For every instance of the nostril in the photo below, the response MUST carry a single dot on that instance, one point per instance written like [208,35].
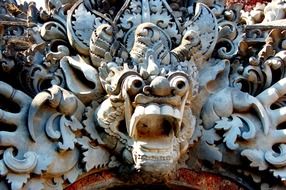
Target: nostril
[147,90]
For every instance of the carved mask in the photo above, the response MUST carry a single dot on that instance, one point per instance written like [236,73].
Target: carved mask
[151,94]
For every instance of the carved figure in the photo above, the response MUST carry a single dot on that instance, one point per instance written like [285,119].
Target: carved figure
[147,88]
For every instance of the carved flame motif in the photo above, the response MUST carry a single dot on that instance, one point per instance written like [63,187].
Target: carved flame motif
[143,87]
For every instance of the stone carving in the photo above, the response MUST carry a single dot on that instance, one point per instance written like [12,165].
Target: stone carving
[141,88]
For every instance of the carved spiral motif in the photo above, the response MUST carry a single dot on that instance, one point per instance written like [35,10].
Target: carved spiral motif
[141,87]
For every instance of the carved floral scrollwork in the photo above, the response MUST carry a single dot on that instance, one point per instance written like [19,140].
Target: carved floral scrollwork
[142,87]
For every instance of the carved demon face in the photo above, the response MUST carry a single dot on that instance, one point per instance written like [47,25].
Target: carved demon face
[148,109]
[155,124]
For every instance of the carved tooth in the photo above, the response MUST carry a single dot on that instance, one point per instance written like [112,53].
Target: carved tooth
[167,110]
[139,110]
[132,126]
[177,114]
[135,157]
[152,109]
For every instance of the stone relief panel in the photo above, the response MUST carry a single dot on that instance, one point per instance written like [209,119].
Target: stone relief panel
[136,90]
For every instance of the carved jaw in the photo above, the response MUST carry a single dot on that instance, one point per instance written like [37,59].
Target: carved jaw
[155,126]
[154,120]
[159,119]
[154,129]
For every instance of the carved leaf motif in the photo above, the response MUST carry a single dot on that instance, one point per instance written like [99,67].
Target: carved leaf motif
[205,24]
[197,134]
[129,20]
[83,24]
[256,157]
[280,173]
[156,6]
[95,156]
[55,116]
[89,124]
[232,128]
[57,183]
[251,129]
[209,152]
[43,164]
[173,32]
[210,136]
[256,178]
[277,159]
[67,135]
[34,184]
[230,39]
[75,124]
[161,19]
[266,186]
[3,168]
[135,6]
[17,180]
[53,30]
[72,175]
[25,165]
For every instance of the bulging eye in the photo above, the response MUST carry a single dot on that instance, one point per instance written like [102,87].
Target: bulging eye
[135,85]
[180,84]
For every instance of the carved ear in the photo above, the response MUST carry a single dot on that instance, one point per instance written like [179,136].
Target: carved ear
[81,78]
[199,36]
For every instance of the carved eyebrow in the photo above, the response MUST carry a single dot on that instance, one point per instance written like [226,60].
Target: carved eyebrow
[177,73]
[123,76]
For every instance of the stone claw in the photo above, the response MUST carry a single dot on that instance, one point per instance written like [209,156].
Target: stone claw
[19,98]
[11,118]
[269,97]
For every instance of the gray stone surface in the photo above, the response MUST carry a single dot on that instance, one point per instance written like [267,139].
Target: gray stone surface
[143,87]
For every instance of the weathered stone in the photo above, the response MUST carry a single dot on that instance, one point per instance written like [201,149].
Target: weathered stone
[142,94]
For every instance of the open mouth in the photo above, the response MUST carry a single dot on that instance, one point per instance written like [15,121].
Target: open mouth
[154,128]
[154,120]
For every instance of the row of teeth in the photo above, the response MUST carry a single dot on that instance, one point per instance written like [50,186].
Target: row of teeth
[157,109]
[153,109]
[157,150]
[145,157]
